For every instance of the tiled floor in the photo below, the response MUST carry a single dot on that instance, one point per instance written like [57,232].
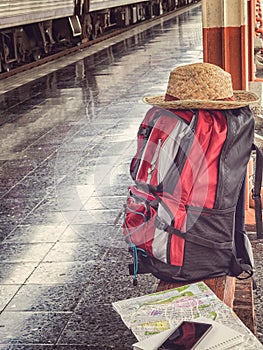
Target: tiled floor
[66,141]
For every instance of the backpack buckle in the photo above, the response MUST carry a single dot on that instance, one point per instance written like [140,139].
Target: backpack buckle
[255,196]
[160,224]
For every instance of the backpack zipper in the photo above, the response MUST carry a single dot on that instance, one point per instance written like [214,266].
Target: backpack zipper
[154,160]
[146,132]
[221,163]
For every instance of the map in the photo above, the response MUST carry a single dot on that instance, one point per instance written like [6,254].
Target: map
[153,313]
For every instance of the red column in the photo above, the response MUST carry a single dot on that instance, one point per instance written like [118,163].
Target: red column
[225,37]
[251,38]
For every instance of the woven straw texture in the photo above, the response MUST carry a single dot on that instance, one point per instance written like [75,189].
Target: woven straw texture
[201,86]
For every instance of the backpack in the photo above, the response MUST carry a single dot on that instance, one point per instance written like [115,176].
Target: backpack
[184,215]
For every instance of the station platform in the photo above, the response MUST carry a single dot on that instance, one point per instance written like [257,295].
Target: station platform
[68,133]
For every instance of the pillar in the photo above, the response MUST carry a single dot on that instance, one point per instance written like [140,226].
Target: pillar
[251,38]
[225,38]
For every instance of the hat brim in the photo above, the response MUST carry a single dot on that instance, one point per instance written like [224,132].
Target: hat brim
[241,99]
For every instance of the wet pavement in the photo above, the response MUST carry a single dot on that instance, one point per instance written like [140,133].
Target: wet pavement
[67,139]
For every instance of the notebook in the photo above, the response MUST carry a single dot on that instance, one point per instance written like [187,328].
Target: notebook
[220,337]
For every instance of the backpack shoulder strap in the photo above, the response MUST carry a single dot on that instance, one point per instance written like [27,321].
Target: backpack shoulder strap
[256,193]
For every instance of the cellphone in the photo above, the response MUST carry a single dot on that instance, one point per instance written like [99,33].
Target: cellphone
[186,336]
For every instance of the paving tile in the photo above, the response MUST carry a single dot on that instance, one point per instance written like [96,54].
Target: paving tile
[99,234]
[6,294]
[62,204]
[52,298]
[74,191]
[25,347]
[18,207]
[104,202]
[23,252]
[28,190]
[36,233]
[6,228]
[10,219]
[95,216]
[90,330]
[15,273]
[88,347]
[40,217]
[31,327]
[74,251]
[17,169]
[62,272]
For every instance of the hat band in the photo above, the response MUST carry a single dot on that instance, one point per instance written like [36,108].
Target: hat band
[168,97]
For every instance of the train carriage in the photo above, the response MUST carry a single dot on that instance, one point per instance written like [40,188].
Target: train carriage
[17,12]
[30,29]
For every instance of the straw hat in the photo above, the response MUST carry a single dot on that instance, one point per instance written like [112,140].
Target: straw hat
[201,86]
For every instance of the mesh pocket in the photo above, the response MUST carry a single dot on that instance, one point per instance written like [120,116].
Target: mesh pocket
[209,243]
[138,224]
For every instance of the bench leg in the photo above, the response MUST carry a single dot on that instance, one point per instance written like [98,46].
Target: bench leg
[244,303]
